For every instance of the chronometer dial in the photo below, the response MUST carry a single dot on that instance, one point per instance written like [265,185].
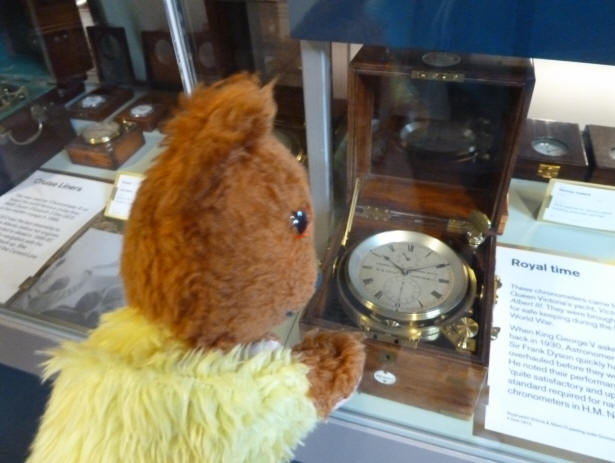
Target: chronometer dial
[550,146]
[92,101]
[406,275]
[142,110]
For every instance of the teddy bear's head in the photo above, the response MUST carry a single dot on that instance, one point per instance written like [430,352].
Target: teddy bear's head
[218,245]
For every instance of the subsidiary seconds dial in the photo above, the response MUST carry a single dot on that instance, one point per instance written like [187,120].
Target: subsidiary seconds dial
[406,275]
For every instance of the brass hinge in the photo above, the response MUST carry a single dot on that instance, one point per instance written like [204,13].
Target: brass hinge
[374,213]
[438,75]
[548,171]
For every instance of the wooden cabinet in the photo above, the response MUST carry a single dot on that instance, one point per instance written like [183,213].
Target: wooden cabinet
[59,30]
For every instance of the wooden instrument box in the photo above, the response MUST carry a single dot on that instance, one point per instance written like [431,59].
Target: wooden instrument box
[108,149]
[601,151]
[115,72]
[100,103]
[150,111]
[551,149]
[431,145]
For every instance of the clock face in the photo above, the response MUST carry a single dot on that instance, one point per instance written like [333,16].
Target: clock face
[92,101]
[550,146]
[142,110]
[406,275]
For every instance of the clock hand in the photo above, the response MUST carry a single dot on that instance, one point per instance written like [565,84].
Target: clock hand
[401,288]
[408,270]
[388,259]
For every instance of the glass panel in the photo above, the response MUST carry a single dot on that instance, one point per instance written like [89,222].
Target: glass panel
[227,36]
[86,88]
[437,132]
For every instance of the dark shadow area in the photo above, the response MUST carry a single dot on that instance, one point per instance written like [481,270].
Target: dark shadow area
[22,401]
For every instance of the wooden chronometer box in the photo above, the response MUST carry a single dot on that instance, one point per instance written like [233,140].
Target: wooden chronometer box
[601,152]
[160,62]
[551,149]
[115,72]
[162,104]
[448,180]
[114,98]
[109,155]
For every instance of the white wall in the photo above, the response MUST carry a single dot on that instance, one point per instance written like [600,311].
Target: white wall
[564,91]
[574,92]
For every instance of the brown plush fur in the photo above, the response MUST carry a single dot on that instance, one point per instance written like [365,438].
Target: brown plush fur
[209,249]
[336,363]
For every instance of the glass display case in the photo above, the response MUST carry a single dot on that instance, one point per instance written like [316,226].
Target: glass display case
[86,90]
[433,136]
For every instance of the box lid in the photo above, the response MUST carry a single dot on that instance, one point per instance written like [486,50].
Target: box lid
[435,133]
[552,141]
[602,146]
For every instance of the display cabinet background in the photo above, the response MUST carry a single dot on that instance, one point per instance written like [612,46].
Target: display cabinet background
[568,30]
[144,15]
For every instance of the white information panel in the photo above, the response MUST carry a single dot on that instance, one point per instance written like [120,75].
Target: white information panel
[580,204]
[552,367]
[37,217]
[124,193]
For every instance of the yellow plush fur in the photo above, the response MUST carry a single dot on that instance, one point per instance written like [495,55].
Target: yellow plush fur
[132,389]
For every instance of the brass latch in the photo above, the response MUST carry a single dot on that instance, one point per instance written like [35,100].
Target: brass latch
[462,334]
[475,228]
[548,171]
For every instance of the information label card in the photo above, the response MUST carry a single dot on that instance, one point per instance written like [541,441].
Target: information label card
[38,217]
[552,367]
[124,193]
[578,203]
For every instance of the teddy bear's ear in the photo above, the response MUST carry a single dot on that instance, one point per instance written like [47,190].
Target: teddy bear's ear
[232,113]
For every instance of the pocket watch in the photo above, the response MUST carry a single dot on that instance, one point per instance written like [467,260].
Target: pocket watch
[406,284]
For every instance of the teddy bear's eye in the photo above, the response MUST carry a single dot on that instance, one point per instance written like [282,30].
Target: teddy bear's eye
[300,221]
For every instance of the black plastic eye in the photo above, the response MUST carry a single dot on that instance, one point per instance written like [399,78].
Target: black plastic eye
[300,221]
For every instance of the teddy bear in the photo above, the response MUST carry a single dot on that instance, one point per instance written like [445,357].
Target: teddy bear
[217,251]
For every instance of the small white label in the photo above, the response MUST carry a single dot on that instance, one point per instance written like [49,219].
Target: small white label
[578,203]
[385,377]
[123,195]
